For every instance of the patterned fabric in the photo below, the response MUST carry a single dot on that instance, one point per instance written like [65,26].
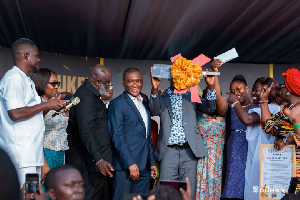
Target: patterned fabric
[237,148]
[209,169]
[55,137]
[281,127]
[177,135]
[211,95]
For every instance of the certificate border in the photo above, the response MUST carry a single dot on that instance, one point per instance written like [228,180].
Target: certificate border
[260,167]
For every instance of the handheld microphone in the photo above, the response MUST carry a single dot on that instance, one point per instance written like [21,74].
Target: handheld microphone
[71,103]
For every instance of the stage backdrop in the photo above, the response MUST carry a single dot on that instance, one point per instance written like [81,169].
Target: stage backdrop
[73,70]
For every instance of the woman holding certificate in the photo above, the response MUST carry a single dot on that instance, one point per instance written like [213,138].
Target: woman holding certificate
[254,134]
[280,125]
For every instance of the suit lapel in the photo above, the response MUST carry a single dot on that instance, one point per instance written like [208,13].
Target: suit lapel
[167,99]
[186,98]
[134,108]
[146,105]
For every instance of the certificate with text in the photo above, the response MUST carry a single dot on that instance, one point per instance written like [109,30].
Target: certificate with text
[276,169]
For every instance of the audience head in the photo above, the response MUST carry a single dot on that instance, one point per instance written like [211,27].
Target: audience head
[291,86]
[63,94]
[46,83]
[163,192]
[64,182]
[26,54]
[100,78]
[9,182]
[274,95]
[238,87]
[132,81]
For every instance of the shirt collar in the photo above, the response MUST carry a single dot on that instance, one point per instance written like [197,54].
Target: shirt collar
[87,84]
[140,99]
[23,74]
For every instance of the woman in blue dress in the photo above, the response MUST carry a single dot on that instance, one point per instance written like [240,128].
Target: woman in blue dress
[236,145]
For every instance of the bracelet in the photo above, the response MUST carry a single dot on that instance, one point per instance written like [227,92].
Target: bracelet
[284,139]
[296,126]
[233,105]
[98,162]
[267,101]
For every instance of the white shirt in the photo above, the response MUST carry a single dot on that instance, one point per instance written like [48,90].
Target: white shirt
[22,139]
[139,105]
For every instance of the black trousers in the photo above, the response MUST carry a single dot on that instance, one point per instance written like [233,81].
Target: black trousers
[97,186]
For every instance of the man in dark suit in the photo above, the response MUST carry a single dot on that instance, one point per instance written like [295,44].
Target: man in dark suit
[180,143]
[88,135]
[130,130]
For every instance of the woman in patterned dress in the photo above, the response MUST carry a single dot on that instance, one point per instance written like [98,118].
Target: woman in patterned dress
[280,125]
[209,168]
[55,136]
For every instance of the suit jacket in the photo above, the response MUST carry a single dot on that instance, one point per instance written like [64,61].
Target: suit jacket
[128,134]
[161,105]
[88,134]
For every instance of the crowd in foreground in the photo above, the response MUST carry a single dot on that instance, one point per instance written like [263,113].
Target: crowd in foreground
[108,144]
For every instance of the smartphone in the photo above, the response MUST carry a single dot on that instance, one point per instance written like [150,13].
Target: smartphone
[32,184]
[294,185]
[68,97]
[175,184]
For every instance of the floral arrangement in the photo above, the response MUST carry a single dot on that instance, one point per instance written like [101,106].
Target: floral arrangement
[185,73]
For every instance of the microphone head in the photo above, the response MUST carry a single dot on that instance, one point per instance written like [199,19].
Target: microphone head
[75,101]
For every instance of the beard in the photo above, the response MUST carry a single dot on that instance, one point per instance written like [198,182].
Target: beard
[102,90]
[35,69]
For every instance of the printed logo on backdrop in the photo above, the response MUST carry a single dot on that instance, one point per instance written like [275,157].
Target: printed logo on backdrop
[70,83]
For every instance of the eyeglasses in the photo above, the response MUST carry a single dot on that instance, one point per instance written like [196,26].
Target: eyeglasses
[282,86]
[111,87]
[55,83]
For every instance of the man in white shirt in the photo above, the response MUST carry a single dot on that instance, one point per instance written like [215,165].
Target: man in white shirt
[21,116]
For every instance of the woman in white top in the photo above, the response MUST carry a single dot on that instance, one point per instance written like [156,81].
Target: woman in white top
[55,136]
[254,134]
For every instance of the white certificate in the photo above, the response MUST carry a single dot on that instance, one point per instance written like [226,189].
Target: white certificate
[227,56]
[276,169]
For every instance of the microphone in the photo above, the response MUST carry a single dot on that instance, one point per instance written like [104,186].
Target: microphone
[71,103]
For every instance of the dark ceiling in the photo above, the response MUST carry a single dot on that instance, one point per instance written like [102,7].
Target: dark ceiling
[262,31]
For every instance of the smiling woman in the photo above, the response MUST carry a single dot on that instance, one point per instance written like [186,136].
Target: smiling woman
[55,136]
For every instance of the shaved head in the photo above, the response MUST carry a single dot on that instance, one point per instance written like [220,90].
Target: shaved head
[98,71]
[100,78]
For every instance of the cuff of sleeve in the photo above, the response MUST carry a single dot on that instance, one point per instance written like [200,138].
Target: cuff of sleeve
[211,95]
[153,96]
[97,156]
[128,163]
[14,105]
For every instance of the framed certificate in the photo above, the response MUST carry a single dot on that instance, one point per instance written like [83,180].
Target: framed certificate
[276,169]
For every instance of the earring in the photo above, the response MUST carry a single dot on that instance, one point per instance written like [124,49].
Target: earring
[288,93]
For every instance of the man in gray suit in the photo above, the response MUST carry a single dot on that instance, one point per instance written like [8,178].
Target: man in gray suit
[180,143]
